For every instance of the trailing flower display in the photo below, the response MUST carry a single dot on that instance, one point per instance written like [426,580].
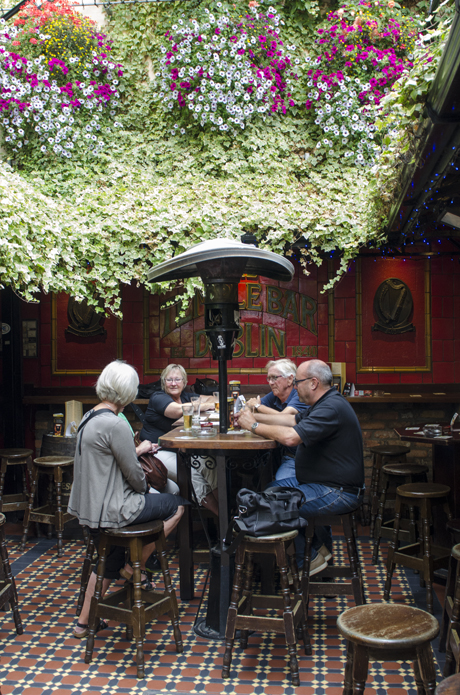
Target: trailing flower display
[58,86]
[224,70]
[363,50]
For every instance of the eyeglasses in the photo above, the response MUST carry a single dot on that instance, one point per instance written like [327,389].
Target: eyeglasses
[174,381]
[274,378]
[299,381]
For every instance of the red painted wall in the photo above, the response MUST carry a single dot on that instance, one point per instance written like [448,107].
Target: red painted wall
[445,331]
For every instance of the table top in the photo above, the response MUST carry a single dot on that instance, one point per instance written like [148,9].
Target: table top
[246,441]
[415,434]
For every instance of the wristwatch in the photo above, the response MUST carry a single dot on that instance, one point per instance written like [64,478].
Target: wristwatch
[254,426]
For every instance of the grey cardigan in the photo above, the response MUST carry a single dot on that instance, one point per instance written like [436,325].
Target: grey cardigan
[109,483]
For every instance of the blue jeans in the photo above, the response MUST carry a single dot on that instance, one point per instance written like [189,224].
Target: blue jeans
[286,469]
[319,499]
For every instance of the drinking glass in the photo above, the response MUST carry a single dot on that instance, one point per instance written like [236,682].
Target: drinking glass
[187,412]
[196,425]
[216,400]
[195,401]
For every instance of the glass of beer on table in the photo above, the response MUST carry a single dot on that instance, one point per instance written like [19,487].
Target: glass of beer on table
[216,400]
[187,411]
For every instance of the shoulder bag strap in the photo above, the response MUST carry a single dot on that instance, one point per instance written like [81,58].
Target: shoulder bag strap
[82,425]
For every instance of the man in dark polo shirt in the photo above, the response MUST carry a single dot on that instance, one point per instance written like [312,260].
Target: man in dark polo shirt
[329,460]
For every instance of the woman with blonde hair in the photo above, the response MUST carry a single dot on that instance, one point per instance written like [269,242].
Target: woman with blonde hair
[164,408]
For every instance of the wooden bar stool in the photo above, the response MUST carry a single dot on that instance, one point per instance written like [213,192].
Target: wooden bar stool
[52,512]
[139,606]
[450,626]
[384,453]
[453,526]
[8,593]
[243,601]
[423,555]
[388,632]
[391,476]
[15,457]
[351,571]
[449,686]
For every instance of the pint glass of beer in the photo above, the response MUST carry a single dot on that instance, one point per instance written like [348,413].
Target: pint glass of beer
[187,411]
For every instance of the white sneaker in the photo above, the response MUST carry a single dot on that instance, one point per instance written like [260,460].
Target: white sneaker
[325,553]
[318,564]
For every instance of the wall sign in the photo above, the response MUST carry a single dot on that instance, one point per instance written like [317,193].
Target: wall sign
[276,320]
[30,338]
[393,315]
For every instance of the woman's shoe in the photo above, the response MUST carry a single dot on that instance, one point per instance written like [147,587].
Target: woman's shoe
[102,625]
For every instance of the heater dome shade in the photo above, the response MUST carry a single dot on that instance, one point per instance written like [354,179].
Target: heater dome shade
[223,260]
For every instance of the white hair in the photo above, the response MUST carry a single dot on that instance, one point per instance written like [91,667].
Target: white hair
[117,383]
[285,367]
[167,371]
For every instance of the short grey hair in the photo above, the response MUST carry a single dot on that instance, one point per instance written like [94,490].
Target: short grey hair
[117,383]
[285,366]
[167,371]
[321,371]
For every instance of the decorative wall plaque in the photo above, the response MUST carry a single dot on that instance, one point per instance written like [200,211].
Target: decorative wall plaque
[79,344]
[83,319]
[393,315]
[393,305]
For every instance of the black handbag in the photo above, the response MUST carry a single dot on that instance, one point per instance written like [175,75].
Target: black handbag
[146,390]
[276,510]
[205,387]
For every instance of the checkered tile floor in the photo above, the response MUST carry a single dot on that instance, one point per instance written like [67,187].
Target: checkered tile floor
[47,660]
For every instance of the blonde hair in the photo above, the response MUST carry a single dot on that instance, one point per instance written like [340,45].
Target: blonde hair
[117,383]
[167,371]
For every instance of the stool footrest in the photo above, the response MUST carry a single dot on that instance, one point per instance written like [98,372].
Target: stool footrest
[46,515]
[341,571]
[329,588]
[262,623]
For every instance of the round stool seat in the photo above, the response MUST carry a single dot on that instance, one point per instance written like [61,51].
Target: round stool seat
[51,461]
[449,686]
[386,625]
[456,551]
[135,530]
[287,536]
[430,490]
[389,450]
[15,453]
[404,469]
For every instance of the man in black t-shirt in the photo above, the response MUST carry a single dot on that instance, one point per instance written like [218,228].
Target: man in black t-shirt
[329,460]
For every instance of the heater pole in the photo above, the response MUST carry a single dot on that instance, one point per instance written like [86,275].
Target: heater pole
[223,414]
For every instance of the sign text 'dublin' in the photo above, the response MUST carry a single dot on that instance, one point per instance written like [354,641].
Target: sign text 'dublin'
[254,339]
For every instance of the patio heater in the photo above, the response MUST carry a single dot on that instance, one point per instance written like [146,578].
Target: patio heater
[220,264]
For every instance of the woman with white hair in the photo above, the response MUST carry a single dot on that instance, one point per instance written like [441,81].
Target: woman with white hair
[164,408]
[109,488]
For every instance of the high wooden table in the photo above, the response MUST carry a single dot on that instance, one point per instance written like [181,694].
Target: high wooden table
[446,467]
[232,452]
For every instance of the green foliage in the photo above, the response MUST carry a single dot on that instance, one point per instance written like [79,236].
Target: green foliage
[96,223]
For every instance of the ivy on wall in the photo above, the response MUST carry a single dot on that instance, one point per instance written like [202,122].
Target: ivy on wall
[94,223]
